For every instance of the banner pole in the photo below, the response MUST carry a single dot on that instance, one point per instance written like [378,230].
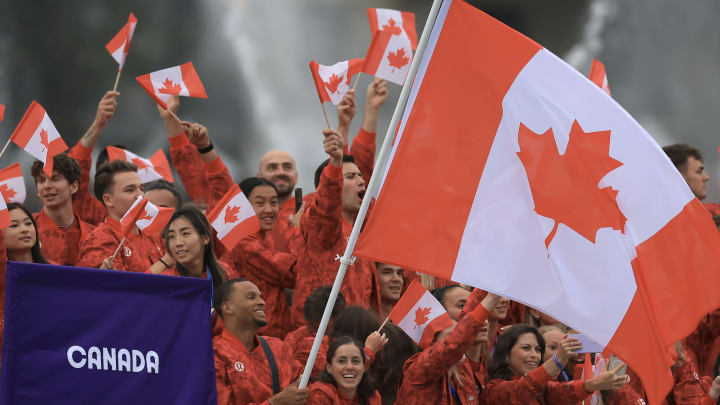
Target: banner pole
[374,184]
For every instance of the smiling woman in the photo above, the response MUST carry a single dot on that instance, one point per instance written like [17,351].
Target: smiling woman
[21,240]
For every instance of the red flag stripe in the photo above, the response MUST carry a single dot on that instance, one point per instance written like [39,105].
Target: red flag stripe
[160,221]
[436,325]
[2,112]
[376,51]
[239,231]
[121,37]
[220,206]
[11,172]
[161,165]
[146,84]
[28,124]
[192,80]
[407,302]
[4,215]
[319,84]
[409,28]
[372,18]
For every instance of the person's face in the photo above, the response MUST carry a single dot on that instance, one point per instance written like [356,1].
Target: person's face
[391,281]
[162,198]
[482,336]
[347,368]
[54,191]
[695,177]
[245,305]
[125,190]
[500,311]
[264,200]
[525,355]
[21,234]
[553,339]
[186,245]
[279,167]
[353,187]
[455,300]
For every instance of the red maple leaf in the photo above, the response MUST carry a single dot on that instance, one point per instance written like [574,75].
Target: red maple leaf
[7,192]
[139,163]
[44,140]
[565,187]
[421,316]
[398,59]
[392,28]
[333,82]
[146,216]
[170,88]
[231,214]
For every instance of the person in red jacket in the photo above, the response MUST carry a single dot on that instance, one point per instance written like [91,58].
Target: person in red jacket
[389,282]
[60,230]
[453,298]
[257,260]
[118,184]
[85,205]
[244,361]
[344,381]
[517,375]
[324,230]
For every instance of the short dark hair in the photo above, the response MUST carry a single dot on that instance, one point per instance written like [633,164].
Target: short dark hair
[162,184]
[35,252]
[356,322]
[63,164]
[315,305]
[499,367]
[319,170]
[103,155]
[249,184]
[366,388]
[679,154]
[105,176]
[223,292]
[440,293]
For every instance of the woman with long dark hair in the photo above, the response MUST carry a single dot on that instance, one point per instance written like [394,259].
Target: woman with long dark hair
[518,376]
[387,369]
[189,242]
[21,241]
[344,380]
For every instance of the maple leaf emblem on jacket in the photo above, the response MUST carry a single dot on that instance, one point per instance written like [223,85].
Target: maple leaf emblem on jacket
[44,140]
[398,59]
[7,192]
[333,82]
[392,28]
[170,88]
[421,316]
[565,187]
[231,214]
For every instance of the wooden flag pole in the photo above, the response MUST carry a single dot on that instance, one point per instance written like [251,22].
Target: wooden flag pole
[383,324]
[372,189]
[117,80]
[356,81]
[112,258]
[176,117]
[6,146]
[327,121]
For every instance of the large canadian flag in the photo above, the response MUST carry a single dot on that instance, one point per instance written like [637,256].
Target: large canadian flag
[598,76]
[119,45]
[332,82]
[400,23]
[148,217]
[12,185]
[420,314]
[180,80]
[388,57]
[157,167]
[514,173]
[233,218]
[37,135]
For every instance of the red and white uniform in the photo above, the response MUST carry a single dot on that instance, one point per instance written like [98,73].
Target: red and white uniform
[243,377]
[85,205]
[137,253]
[187,160]
[58,245]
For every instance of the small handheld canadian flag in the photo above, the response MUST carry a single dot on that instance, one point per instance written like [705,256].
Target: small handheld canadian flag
[332,82]
[157,167]
[119,45]
[180,80]
[12,185]
[400,23]
[598,76]
[2,112]
[147,216]
[388,57]
[37,135]
[233,218]
[420,314]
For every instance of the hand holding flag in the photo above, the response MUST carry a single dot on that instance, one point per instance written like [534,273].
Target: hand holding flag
[332,82]
[180,80]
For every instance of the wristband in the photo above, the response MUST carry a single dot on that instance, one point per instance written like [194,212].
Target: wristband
[163,262]
[206,149]
[560,366]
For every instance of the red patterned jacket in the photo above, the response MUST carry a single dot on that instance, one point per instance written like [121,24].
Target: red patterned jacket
[322,393]
[535,388]
[187,162]
[138,252]
[61,246]
[85,205]
[243,377]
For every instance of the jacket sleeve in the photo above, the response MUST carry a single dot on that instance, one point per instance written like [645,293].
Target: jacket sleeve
[323,220]
[253,257]
[565,392]
[530,386]
[303,352]
[85,205]
[363,150]
[219,181]
[317,396]
[688,389]
[437,359]
[222,384]
[98,247]
[190,167]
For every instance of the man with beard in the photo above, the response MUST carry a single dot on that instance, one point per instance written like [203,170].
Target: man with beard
[247,364]
[279,167]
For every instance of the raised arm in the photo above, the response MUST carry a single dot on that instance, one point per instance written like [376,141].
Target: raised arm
[363,144]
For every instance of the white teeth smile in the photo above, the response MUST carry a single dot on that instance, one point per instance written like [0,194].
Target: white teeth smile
[348,375]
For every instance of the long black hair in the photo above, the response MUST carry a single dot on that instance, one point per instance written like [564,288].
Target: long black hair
[35,252]
[356,322]
[499,366]
[366,388]
[202,227]
[388,367]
